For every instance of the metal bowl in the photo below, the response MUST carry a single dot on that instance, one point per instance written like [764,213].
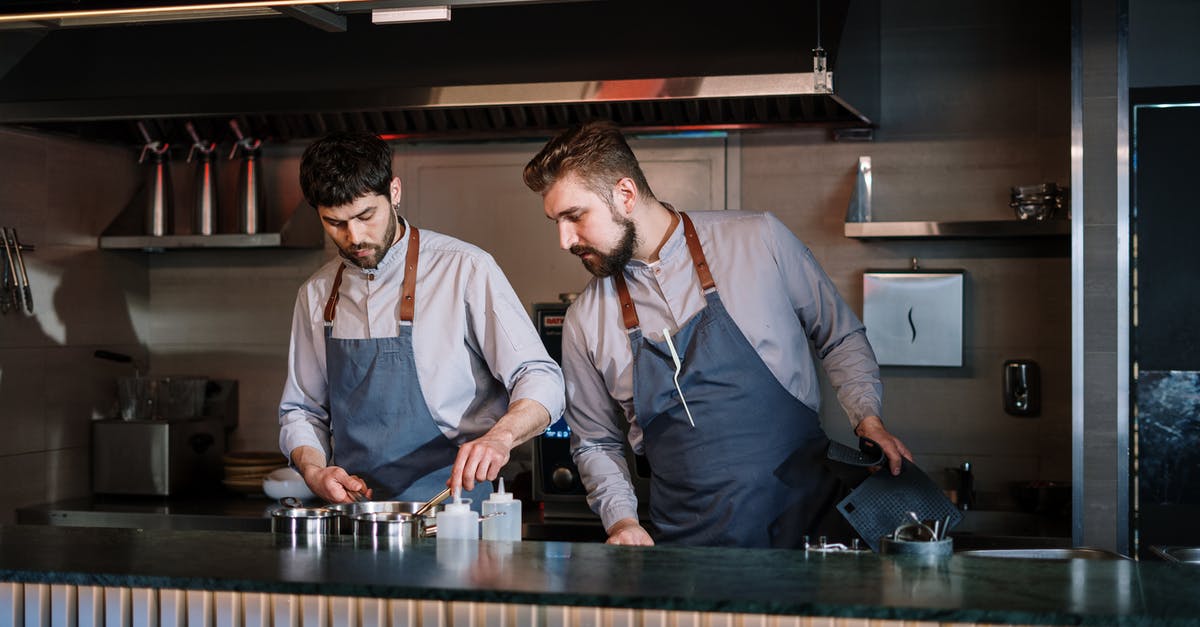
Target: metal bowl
[387,529]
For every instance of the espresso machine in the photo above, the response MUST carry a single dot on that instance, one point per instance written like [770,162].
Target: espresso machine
[556,481]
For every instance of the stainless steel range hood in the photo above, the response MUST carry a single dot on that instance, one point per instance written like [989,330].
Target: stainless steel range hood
[270,102]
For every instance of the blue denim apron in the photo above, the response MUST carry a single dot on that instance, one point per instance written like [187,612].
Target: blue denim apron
[382,429]
[750,472]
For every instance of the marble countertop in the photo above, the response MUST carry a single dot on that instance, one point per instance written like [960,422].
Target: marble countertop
[956,589]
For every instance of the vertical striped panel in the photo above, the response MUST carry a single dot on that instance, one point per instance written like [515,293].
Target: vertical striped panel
[623,617]
[686,619]
[314,611]
[256,609]
[529,616]
[12,604]
[462,613]
[343,612]
[655,618]
[285,611]
[404,613]
[432,614]
[91,606]
[373,612]
[558,616]
[143,607]
[37,605]
[64,607]
[172,608]
[587,617]
[751,620]
[118,607]
[199,604]
[227,609]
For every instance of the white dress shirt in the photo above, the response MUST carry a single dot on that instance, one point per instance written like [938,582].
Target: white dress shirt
[776,293]
[475,347]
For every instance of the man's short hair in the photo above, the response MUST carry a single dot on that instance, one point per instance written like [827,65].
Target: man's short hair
[341,167]
[596,152]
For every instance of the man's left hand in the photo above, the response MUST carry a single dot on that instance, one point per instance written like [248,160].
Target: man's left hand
[479,460]
[871,427]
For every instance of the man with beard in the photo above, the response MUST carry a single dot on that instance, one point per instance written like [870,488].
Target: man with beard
[412,366]
[698,326]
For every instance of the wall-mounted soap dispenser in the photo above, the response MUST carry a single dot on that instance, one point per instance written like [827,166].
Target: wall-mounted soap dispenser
[1022,387]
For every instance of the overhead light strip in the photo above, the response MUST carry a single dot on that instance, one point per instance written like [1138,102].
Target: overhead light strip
[142,12]
[411,14]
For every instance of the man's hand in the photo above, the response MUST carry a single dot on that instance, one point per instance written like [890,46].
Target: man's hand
[327,482]
[333,484]
[480,460]
[627,531]
[871,427]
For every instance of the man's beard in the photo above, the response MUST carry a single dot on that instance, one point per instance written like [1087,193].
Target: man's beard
[606,265]
[371,262]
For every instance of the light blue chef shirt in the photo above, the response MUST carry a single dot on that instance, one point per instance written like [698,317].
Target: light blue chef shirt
[775,292]
[475,347]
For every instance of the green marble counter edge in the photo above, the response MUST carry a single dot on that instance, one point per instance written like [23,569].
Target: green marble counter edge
[958,589]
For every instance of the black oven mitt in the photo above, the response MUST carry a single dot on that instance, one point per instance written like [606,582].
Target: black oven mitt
[882,502]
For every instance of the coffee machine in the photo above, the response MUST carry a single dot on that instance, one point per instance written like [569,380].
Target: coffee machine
[556,481]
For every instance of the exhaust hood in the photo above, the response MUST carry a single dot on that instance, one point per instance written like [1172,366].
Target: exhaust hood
[491,72]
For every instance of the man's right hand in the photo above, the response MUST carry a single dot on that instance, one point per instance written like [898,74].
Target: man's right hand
[333,484]
[627,531]
[330,483]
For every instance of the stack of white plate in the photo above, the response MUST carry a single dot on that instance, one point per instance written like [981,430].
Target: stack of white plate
[245,470]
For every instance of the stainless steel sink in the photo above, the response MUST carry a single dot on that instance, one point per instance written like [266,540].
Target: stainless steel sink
[1045,554]
[1184,554]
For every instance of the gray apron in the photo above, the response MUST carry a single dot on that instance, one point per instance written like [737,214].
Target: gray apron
[382,429]
[750,473]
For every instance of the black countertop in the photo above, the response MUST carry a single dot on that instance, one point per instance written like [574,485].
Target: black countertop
[864,585]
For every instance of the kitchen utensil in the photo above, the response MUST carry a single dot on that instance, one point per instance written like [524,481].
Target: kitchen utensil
[883,501]
[1037,202]
[11,282]
[160,212]
[390,529]
[204,191]
[678,365]
[23,277]
[433,502]
[457,521]
[251,208]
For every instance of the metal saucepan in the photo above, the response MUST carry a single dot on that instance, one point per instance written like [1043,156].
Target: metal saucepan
[305,524]
[390,529]
[350,512]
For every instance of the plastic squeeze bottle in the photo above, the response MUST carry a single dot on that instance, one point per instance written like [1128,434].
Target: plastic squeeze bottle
[507,525]
[456,521]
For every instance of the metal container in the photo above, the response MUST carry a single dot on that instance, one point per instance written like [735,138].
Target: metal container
[305,524]
[388,529]
[350,511]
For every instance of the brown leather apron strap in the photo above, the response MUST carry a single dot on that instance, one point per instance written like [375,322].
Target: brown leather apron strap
[408,288]
[628,311]
[693,244]
[331,304]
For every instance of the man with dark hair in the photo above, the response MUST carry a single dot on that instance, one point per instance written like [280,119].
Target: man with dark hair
[413,366]
[698,326]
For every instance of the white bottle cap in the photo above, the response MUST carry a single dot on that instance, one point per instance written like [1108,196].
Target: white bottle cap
[459,505]
[500,495]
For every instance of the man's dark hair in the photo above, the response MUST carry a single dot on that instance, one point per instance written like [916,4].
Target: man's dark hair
[596,152]
[341,167]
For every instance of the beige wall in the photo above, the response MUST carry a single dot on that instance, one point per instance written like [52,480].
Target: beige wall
[59,194]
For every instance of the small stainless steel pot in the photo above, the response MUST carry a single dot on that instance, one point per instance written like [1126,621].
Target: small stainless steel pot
[310,524]
[350,511]
[389,529]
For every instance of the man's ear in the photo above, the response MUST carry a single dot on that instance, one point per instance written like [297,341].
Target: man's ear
[625,194]
[394,186]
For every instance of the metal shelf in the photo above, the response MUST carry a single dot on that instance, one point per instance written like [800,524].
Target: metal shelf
[301,230]
[960,229]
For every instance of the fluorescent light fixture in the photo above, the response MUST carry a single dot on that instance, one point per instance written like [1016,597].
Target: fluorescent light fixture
[410,14]
[188,11]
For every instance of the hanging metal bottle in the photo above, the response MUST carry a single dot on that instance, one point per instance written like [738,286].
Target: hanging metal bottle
[251,208]
[204,190]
